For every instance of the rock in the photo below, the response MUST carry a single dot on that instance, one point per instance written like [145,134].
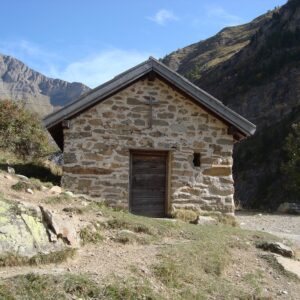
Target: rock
[44,188]
[70,194]
[289,208]
[8,177]
[277,247]
[289,265]
[22,177]
[205,220]
[56,189]
[61,227]
[11,170]
[29,191]
[23,231]
[218,170]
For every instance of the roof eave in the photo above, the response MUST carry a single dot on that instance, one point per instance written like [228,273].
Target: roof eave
[126,78]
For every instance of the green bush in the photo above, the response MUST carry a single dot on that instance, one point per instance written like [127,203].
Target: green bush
[21,132]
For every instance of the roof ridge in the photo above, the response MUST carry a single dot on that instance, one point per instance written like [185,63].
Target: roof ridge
[127,77]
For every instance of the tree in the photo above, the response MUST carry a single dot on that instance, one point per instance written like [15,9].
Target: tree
[291,168]
[21,131]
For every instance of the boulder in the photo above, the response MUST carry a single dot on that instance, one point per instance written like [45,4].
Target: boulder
[23,231]
[289,265]
[278,248]
[289,208]
[61,226]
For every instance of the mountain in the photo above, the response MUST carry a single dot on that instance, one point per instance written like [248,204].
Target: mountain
[260,79]
[40,93]
[197,58]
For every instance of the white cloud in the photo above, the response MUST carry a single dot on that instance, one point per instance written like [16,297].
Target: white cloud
[100,67]
[220,15]
[163,16]
[91,70]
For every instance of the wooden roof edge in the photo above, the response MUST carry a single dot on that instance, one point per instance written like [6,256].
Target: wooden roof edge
[124,79]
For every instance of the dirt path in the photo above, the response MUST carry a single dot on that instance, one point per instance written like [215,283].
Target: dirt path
[284,226]
[99,261]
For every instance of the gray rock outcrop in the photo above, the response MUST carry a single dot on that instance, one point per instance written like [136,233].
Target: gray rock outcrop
[25,232]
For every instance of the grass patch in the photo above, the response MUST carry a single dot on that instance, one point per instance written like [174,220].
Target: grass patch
[130,237]
[254,280]
[32,183]
[60,199]
[130,289]
[67,286]
[90,235]
[74,210]
[11,259]
[32,286]
[185,215]
[195,269]
[81,286]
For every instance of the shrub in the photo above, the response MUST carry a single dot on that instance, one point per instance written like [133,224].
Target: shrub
[21,131]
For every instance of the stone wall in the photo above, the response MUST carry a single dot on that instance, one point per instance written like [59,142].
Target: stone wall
[97,144]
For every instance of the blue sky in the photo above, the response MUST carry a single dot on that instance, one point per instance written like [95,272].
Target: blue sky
[91,41]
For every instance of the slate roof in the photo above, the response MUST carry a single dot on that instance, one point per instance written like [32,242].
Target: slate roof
[102,92]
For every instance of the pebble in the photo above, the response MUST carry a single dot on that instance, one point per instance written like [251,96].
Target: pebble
[29,191]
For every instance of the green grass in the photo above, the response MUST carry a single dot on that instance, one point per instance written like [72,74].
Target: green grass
[67,286]
[32,183]
[90,235]
[12,259]
[60,199]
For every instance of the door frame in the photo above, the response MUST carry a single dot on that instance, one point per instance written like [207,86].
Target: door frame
[167,155]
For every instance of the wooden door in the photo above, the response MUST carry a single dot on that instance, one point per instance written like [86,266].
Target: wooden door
[148,183]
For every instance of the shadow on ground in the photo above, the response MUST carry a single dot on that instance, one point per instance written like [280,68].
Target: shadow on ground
[33,170]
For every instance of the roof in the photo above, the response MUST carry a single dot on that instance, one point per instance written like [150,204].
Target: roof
[54,120]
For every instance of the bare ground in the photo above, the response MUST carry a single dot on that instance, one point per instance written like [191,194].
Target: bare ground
[101,261]
[283,226]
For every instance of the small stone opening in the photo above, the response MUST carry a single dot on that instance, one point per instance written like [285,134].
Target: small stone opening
[197,159]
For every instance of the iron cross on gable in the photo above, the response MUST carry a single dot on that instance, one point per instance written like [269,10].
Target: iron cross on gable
[151,101]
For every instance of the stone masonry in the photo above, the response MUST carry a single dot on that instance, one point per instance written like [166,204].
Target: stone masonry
[97,147]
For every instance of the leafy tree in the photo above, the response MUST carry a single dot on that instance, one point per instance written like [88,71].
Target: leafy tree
[21,131]
[291,168]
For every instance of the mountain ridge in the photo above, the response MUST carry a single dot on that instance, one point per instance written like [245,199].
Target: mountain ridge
[261,81]
[40,93]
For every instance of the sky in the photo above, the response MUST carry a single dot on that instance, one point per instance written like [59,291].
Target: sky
[91,41]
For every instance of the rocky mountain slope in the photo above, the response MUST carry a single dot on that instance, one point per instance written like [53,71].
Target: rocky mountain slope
[261,81]
[197,58]
[40,93]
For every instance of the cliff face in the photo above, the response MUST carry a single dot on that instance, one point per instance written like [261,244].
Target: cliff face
[261,81]
[40,93]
